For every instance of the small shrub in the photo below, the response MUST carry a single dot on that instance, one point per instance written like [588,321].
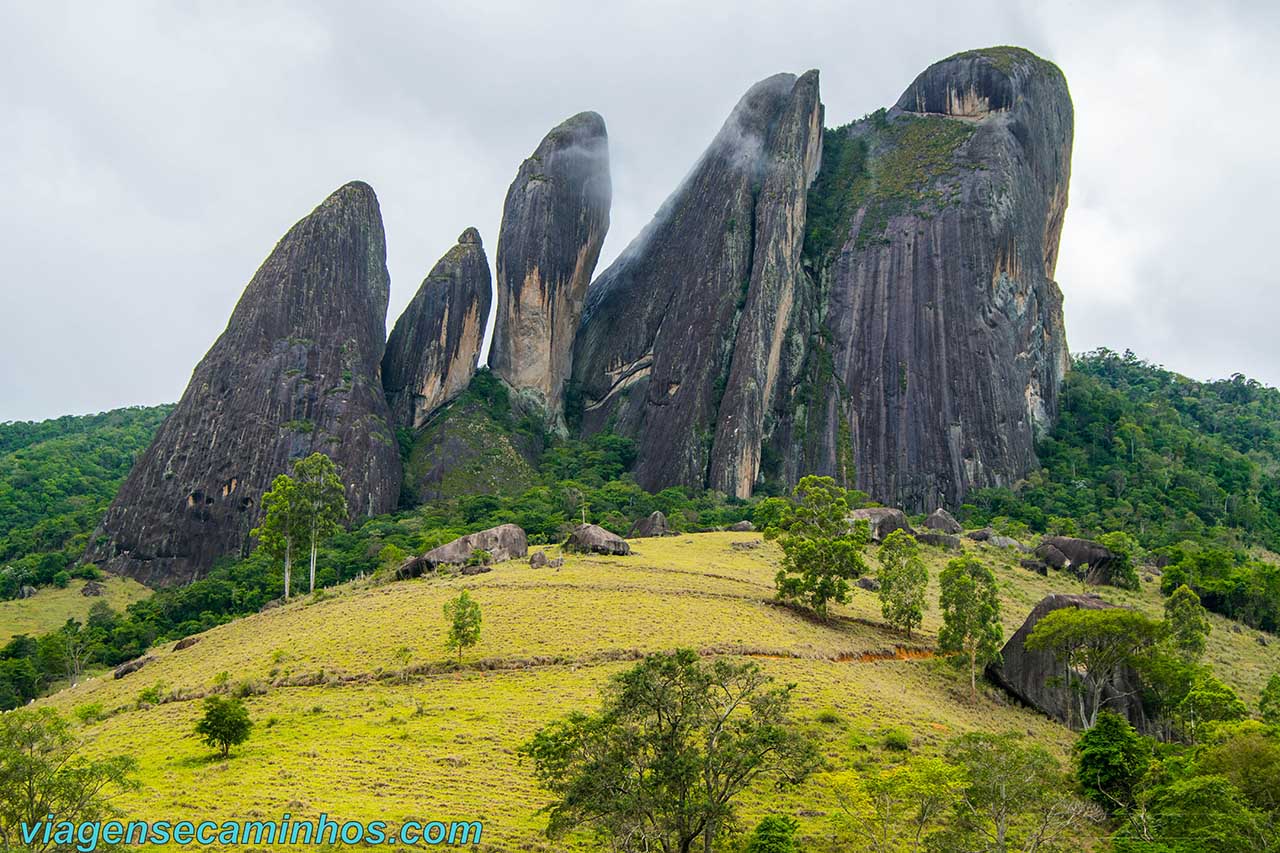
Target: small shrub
[248,687]
[90,712]
[898,740]
[479,557]
[829,716]
[152,695]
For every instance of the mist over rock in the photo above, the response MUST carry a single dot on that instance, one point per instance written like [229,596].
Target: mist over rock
[295,371]
[432,351]
[941,348]
[554,222]
[683,337]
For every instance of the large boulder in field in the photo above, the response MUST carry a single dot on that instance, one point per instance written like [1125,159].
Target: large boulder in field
[1034,678]
[504,542]
[943,522]
[882,520]
[1090,561]
[655,524]
[939,540]
[593,539]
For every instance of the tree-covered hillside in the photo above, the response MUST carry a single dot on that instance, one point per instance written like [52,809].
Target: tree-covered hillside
[56,479]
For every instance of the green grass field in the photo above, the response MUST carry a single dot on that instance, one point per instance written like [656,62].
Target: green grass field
[364,716]
[50,607]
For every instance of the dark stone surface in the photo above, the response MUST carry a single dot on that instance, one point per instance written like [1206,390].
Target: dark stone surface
[589,538]
[655,524]
[130,667]
[538,560]
[296,371]
[995,540]
[869,584]
[981,535]
[943,522]
[92,589]
[185,643]
[432,351]
[504,542]
[943,326]
[742,527]
[939,540]
[1029,676]
[882,520]
[554,222]
[683,339]
[1088,560]
[1037,566]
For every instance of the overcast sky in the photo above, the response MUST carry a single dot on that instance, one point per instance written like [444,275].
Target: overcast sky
[151,154]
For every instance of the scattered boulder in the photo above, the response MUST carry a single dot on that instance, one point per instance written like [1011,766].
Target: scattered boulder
[92,589]
[940,540]
[883,520]
[742,527]
[749,545]
[1262,641]
[593,539]
[504,542]
[556,563]
[1034,677]
[1038,566]
[1090,561]
[654,525]
[981,535]
[998,541]
[132,666]
[185,643]
[538,560]
[26,592]
[867,583]
[476,570]
[943,522]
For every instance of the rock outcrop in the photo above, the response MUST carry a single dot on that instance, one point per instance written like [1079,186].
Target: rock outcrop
[432,351]
[1090,561]
[553,225]
[882,521]
[593,539]
[1036,678]
[943,522]
[941,348]
[684,341]
[654,524]
[295,372]
[939,540]
[502,543]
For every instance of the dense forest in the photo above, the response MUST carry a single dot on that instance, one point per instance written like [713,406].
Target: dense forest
[1189,470]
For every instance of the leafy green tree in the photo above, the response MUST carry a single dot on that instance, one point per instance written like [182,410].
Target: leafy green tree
[1187,622]
[774,834]
[1210,701]
[1269,703]
[463,615]
[43,773]
[970,604]
[1123,572]
[322,503]
[821,553]
[281,525]
[904,581]
[1093,646]
[225,724]
[1246,754]
[673,745]
[1200,814]
[1111,759]
[892,809]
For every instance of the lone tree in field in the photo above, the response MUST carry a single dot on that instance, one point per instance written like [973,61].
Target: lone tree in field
[1092,646]
[225,724]
[1187,623]
[302,511]
[821,551]
[674,743]
[903,581]
[970,615]
[463,615]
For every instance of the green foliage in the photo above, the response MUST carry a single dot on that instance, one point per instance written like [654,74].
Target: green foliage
[1187,623]
[892,809]
[774,834]
[56,479]
[1111,759]
[1269,703]
[970,605]
[463,616]
[821,553]
[42,772]
[225,724]
[832,202]
[1200,813]
[673,745]
[1210,701]
[904,580]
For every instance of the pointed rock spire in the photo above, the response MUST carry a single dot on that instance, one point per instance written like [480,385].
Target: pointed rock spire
[553,225]
[295,371]
[432,352]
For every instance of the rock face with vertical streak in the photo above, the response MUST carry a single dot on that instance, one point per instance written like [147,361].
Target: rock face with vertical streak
[295,371]
[941,347]
[683,337]
[432,351]
[554,222]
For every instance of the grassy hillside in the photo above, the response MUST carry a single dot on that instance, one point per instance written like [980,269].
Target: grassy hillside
[50,607]
[360,713]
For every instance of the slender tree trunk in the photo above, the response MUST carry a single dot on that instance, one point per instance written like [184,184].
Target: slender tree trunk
[288,566]
[313,558]
[973,674]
